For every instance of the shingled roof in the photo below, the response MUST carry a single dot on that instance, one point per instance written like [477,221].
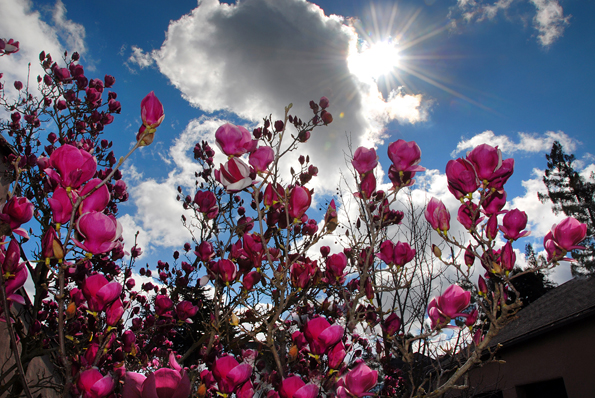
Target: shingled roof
[566,304]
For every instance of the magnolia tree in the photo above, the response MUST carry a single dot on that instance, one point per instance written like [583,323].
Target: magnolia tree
[256,305]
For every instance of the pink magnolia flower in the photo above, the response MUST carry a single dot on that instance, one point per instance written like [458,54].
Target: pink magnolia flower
[335,268]
[358,382]
[92,96]
[162,305]
[391,324]
[185,310]
[62,74]
[99,292]
[569,233]
[151,111]
[8,46]
[507,257]
[405,156]
[564,237]
[472,318]
[491,228]
[453,300]
[486,160]
[330,218]
[251,279]
[449,306]
[97,201]
[94,385]
[163,383]
[128,340]
[246,391]
[494,203]
[234,140]
[400,179]
[513,223]
[75,166]
[230,374]
[462,178]
[300,199]
[554,252]
[226,270]
[502,175]
[294,387]
[205,251]
[16,211]
[367,186]
[336,355]
[109,81]
[302,273]
[234,176]
[15,273]
[299,339]
[273,194]
[398,254]
[100,232]
[261,158]
[114,313]
[469,217]
[321,335]
[437,215]
[207,203]
[364,160]
[51,246]
[482,287]
[61,204]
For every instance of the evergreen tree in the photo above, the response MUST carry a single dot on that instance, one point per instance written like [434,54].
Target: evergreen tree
[572,195]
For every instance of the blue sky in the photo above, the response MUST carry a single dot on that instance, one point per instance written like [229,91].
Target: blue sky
[513,73]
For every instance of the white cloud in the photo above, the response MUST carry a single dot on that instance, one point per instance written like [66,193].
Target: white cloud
[541,216]
[72,33]
[140,58]
[472,10]
[254,58]
[158,215]
[549,21]
[588,172]
[21,23]
[528,142]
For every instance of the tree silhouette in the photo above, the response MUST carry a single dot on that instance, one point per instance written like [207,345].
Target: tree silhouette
[572,195]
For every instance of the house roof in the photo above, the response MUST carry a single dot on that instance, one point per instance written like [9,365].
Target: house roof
[567,303]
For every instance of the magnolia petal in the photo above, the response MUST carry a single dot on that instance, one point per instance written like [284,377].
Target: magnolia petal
[290,385]
[103,387]
[204,280]
[239,374]
[223,366]
[88,378]
[307,391]
[331,335]
[133,383]
[184,387]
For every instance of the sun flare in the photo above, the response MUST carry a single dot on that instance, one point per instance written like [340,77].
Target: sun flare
[374,60]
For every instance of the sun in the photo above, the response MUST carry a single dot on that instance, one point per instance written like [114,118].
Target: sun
[375,60]
[392,48]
